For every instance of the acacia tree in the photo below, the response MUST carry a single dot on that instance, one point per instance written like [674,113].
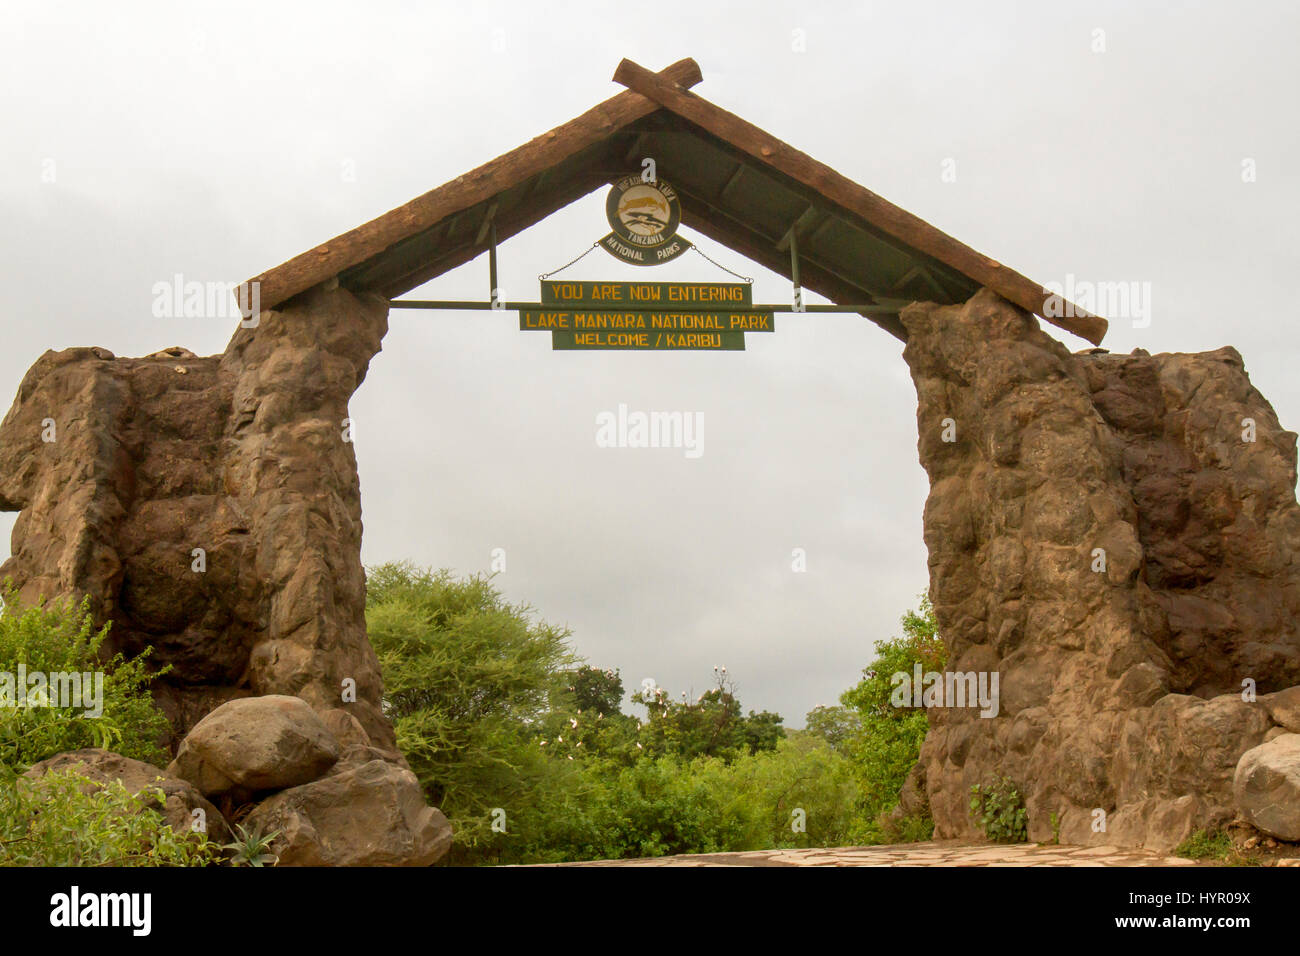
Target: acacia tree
[711,726]
[467,679]
[585,719]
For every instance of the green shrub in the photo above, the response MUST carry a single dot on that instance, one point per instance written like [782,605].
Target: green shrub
[527,751]
[884,741]
[836,725]
[63,819]
[466,678]
[906,829]
[668,805]
[62,637]
[999,810]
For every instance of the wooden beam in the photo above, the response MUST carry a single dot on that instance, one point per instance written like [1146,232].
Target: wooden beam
[800,225]
[821,227]
[734,226]
[528,213]
[898,223]
[730,184]
[372,273]
[486,224]
[539,154]
[762,250]
[919,272]
[834,215]
[540,178]
[634,154]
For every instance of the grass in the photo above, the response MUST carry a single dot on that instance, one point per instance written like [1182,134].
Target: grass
[1213,845]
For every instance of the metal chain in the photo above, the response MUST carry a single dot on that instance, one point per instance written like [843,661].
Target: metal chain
[744,278]
[749,279]
[547,275]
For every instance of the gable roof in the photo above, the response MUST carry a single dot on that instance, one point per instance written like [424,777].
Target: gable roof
[738,185]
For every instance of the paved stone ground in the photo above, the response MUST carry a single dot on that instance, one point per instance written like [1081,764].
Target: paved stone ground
[937,853]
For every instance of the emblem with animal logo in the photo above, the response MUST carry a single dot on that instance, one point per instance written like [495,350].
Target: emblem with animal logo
[644,215]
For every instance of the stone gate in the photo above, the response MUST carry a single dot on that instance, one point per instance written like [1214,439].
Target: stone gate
[1113,536]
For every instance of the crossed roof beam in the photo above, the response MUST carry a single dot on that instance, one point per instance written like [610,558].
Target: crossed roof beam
[842,229]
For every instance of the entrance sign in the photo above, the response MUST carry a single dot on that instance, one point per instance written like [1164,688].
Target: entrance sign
[647,315]
[560,319]
[644,216]
[648,295]
[716,341]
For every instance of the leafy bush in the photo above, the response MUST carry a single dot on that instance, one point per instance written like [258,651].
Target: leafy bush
[467,677]
[62,638]
[886,741]
[63,819]
[835,725]
[999,809]
[530,756]
[668,805]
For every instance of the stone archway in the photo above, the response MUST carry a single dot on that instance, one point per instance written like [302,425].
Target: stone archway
[1120,683]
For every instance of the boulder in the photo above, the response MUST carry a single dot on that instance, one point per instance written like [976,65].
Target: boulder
[354,742]
[1267,787]
[367,814]
[180,798]
[254,745]
[1284,708]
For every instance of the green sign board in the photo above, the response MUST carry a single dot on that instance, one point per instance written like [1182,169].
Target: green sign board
[648,295]
[647,315]
[706,341]
[561,319]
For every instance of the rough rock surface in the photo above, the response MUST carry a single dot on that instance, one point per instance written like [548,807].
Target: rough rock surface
[241,455]
[180,798]
[1284,708]
[1267,786]
[1121,684]
[210,508]
[256,744]
[369,814]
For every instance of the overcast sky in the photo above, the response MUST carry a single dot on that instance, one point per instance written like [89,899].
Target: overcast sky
[217,140]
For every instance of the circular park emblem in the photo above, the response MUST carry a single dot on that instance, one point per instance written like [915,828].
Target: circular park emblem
[644,216]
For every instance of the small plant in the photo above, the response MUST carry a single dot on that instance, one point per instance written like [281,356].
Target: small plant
[1056,827]
[1205,845]
[1215,845]
[66,819]
[252,848]
[910,829]
[1000,812]
[61,638]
